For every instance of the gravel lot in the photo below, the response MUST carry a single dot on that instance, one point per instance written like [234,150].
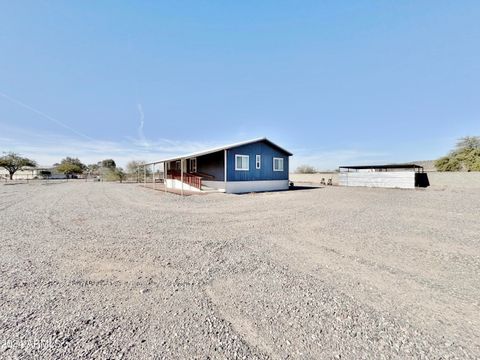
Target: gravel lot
[98,270]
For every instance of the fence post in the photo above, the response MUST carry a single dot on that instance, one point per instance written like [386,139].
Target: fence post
[153,175]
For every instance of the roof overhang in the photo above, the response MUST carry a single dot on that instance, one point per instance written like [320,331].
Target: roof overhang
[382,167]
[220,148]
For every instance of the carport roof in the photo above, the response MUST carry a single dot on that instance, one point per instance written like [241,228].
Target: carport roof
[383,167]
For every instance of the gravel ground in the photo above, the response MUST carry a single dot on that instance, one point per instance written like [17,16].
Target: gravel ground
[97,270]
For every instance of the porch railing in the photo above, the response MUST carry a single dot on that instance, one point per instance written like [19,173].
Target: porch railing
[189,179]
[204,176]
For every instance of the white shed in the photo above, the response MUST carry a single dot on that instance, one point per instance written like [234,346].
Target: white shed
[403,176]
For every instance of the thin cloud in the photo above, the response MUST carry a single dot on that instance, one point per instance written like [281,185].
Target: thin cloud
[48,148]
[141,134]
[44,115]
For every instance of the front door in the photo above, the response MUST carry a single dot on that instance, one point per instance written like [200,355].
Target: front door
[193,165]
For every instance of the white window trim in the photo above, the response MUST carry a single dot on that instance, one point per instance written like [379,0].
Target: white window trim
[258,162]
[281,162]
[248,162]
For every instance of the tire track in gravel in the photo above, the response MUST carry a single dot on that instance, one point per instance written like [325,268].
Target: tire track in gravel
[18,198]
[375,285]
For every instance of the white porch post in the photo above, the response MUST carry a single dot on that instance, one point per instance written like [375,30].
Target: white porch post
[225,168]
[181,174]
[165,176]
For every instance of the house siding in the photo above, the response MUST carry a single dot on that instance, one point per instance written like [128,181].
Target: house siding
[266,172]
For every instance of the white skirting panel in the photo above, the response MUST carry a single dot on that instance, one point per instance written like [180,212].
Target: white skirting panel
[220,185]
[234,187]
[177,184]
[384,179]
[238,187]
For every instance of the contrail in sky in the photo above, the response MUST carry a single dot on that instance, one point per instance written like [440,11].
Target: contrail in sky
[141,135]
[46,116]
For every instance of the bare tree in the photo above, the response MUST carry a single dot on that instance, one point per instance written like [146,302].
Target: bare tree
[137,169]
[468,142]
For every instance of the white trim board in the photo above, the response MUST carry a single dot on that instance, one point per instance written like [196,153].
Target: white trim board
[239,187]
[219,185]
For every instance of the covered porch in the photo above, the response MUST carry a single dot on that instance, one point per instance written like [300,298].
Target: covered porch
[188,174]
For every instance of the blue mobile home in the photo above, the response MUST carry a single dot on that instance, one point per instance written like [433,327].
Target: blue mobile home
[249,166]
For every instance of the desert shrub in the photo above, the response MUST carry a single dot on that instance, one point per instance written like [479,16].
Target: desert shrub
[448,163]
[466,156]
[306,169]
[116,174]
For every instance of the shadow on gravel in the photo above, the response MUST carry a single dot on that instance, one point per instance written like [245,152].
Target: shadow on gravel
[305,187]
[291,188]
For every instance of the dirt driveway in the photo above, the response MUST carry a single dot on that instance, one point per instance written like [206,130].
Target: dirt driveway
[99,270]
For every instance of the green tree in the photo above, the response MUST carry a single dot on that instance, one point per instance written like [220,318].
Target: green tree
[12,162]
[70,166]
[466,156]
[120,174]
[117,174]
[93,169]
[448,163]
[471,159]
[108,163]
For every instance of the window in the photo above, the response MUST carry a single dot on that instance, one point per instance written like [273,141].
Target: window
[241,162]
[258,161]
[277,164]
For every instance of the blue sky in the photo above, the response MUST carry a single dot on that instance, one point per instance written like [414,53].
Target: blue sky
[335,82]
